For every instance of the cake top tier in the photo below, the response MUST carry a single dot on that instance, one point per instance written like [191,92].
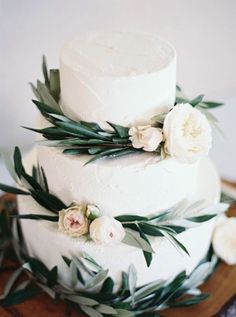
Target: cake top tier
[117,54]
[121,77]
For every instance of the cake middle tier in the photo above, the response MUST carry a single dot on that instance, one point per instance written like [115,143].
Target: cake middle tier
[137,184]
[45,242]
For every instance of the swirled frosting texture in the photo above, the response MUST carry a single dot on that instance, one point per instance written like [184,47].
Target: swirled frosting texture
[121,77]
[136,184]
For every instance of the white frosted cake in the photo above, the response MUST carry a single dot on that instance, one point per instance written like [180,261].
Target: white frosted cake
[124,78]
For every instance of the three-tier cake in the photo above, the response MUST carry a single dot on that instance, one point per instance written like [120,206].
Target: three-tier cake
[125,78]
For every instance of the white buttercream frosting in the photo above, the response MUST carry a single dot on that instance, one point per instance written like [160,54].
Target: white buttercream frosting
[118,54]
[133,184]
[120,77]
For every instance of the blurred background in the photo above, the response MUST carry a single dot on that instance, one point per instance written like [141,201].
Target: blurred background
[203,33]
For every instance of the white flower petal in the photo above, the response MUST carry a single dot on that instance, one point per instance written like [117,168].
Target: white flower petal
[72,221]
[224,240]
[106,230]
[187,133]
[146,137]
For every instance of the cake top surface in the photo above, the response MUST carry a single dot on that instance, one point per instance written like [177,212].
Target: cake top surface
[117,54]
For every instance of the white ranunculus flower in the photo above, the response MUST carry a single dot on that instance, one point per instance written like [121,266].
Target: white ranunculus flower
[92,212]
[106,230]
[72,221]
[187,133]
[145,137]
[224,240]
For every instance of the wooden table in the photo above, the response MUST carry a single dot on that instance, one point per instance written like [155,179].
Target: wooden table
[221,286]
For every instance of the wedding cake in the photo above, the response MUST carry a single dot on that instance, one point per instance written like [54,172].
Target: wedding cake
[124,78]
[148,197]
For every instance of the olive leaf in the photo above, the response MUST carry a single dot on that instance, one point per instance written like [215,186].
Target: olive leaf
[134,239]
[37,217]
[132,280]
[96,279]
[10,283]
[13,190]
[82,300]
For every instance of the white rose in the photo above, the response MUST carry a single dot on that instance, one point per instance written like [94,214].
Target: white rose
[92,212]
[187,133]
[224,240]
[146,137]
[106,230]
[72,221]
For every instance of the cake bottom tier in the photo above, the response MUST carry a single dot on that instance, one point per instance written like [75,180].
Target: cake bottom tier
[45,242]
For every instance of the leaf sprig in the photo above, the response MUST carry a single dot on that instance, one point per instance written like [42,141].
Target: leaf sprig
[200,104]
[34,185]
[167,224]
